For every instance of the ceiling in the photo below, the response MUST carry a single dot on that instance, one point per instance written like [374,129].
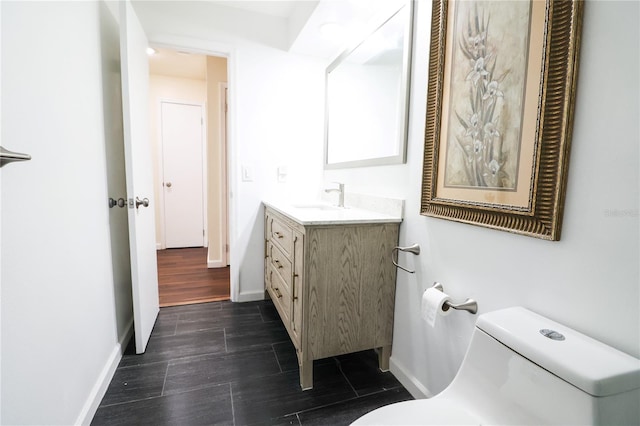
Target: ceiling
[304,19]
[278,8]
[178,64]
[355,18]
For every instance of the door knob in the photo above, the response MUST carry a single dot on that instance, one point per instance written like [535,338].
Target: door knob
[144,202]
[120,202]
[7,156]
[168,184]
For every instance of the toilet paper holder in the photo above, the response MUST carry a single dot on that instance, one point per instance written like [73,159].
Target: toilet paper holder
[414,249]
[468,305]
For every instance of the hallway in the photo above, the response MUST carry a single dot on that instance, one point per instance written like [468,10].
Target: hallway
[184,278]
[233,364]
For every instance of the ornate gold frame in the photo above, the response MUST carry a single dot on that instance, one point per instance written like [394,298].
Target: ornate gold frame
[543,217]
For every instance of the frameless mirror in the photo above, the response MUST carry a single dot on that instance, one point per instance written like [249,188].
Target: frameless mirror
[367,96]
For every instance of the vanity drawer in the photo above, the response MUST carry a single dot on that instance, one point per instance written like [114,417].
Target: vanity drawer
[281,264]
[280,295]
[281,234]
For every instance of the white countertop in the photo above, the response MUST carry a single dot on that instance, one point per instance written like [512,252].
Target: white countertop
[319,213]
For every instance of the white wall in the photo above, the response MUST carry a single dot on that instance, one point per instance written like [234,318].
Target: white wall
[276,109]
[60,326]
[278,122]
[589,280]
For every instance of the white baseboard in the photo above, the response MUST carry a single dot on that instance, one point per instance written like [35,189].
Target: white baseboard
[250,296]
[216,264]
[102,383]
[413,385]
[158,246]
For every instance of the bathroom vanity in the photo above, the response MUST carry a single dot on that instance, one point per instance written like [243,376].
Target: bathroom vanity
[329,273]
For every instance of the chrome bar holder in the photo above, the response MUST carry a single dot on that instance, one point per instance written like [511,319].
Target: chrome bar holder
[414,249]
[468,305]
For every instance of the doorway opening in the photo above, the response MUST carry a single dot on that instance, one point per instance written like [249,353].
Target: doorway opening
[184,278]
[187,115]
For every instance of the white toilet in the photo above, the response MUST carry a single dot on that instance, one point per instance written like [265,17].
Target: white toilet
[524,369]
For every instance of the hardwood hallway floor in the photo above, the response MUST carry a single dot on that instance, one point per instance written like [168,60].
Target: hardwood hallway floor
[183,278]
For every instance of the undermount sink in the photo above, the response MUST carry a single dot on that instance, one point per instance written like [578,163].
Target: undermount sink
[317,207]
[321,212]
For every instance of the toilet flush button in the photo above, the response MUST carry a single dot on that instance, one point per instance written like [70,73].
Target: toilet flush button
[551,334]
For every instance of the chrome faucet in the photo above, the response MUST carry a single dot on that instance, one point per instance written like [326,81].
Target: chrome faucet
[340,190]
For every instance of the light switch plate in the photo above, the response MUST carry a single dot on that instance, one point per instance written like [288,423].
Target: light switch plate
[283,171]
[247,173]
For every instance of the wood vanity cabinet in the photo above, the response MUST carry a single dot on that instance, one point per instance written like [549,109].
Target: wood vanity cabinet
[333,286]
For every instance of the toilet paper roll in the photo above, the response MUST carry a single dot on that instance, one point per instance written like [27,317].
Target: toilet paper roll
[432,302]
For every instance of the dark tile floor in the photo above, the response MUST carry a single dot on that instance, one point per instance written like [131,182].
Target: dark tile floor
[233,364]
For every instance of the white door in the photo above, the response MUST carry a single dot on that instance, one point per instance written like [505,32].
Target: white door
[135,89]
[182,166]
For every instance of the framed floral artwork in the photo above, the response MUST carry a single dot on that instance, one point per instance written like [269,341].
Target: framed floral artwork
[501,92]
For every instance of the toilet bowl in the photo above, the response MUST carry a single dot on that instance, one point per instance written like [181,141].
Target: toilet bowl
[522,368]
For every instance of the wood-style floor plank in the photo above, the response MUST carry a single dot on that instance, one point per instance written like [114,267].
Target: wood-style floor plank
[227,363]
[183,278]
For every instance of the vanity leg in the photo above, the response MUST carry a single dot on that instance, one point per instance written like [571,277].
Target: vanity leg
[384,353]
[306,374]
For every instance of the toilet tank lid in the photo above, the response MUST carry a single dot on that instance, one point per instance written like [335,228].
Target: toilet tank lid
[586,363]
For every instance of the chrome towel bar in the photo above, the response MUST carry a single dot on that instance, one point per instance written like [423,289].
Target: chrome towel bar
[414,249]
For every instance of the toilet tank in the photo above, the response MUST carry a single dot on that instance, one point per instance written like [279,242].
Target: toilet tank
[522,368]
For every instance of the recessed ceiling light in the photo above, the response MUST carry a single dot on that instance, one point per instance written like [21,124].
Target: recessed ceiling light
[151,51]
